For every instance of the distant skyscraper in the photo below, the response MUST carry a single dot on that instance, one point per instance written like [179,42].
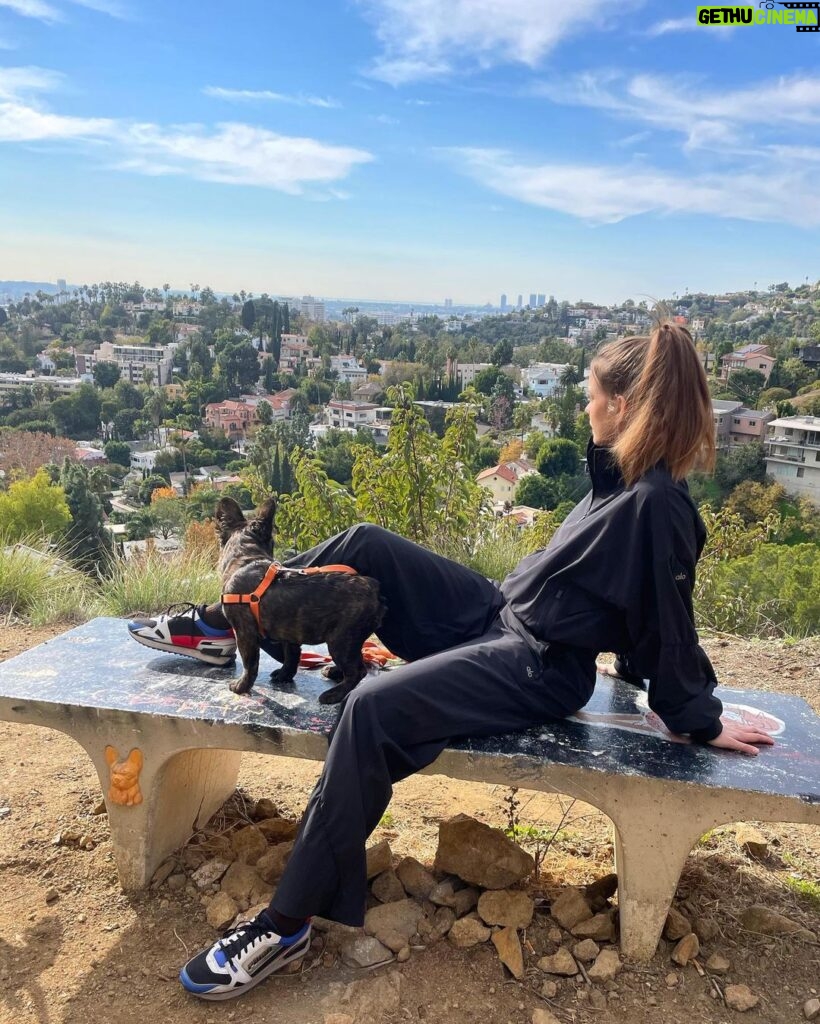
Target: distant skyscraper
[532,300]
[542,299]
[520,304]
[62,287]
[313,309]
[448,303]
[503,303]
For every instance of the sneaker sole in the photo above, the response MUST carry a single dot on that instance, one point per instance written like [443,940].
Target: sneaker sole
[297,951]
[158,645]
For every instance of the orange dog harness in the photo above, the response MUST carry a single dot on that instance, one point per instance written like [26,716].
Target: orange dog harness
[273,571]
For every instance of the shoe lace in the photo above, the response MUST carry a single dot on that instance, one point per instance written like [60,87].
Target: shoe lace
[246,936]
[185,608]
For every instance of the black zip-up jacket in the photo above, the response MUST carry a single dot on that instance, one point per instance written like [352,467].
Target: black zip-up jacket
[618,576]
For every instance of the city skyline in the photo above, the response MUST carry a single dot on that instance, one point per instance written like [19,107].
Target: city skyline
[611,154]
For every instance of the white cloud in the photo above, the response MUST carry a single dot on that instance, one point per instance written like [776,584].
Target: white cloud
[602,195]
[230,153]
[23,81]
[266,96]
[708,117]
[33,9]
[424,39]
[111,7]
[386,119]
[690,24]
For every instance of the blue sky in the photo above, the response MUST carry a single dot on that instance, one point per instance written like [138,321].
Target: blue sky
[407,149]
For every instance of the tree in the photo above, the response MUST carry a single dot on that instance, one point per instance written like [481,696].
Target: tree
[118,452]
[248,315]
[89,543]
[536,491]
[746,385]
[26,452]
[558,457]
[512,451]
[149,485]
[33,507]
[106,374]
[168,513]
[502,353]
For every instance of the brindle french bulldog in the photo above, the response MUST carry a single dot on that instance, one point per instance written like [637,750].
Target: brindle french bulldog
[333,608]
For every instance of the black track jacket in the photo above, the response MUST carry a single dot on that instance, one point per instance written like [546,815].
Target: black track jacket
[618,576]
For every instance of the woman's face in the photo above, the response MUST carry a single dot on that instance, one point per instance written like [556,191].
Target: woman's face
[604,413]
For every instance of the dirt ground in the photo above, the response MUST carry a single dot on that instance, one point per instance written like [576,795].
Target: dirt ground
[74,949]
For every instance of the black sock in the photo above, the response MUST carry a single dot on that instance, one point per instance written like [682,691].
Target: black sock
[212,616]
[282,924]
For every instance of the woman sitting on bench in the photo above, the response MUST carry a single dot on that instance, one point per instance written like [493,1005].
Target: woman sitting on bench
[482,659]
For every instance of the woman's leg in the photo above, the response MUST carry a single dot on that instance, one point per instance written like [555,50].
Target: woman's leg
[391,726]
[432,602]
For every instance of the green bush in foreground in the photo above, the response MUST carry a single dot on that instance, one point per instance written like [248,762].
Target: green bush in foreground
[41,587]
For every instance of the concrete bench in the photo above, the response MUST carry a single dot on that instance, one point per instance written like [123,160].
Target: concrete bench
[166,737]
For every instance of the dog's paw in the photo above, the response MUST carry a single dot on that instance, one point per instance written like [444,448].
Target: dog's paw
[335,695]
[279,677]
[333,672]
[240,685]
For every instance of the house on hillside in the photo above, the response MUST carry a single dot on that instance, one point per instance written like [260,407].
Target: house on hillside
[793,455]
[735,424]
[750,357]
[502,480]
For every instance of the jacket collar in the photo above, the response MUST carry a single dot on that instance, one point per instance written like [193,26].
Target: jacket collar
[603,469]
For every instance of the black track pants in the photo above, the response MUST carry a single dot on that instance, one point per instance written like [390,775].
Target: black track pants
[470,675]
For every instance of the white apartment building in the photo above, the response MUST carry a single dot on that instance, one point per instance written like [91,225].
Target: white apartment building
[464,373]
[792,446]
[348,369]
[342,413]
[542,379]
[10,382]
[134,360]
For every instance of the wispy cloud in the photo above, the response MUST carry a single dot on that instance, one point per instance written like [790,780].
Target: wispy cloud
[266,96]
[114,8]
[386,119]
[423,39]
[229,153]
[602,194]
[707,117]
[38,9]
[690,24]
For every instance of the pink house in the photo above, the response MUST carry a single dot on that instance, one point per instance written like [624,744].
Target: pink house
[750,357]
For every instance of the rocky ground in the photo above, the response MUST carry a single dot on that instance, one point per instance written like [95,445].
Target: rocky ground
[74,949]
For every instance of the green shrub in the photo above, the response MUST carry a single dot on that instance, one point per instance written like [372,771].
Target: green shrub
[42,587]
[151,582]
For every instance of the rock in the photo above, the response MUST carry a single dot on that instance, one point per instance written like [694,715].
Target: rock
[598,893]
[672,980]
[443,920]
[555,935]
[542,1016]
[364,951]
[570,909]
[372,999]
[51,895]
[209,872]
[677,925]
[401,916]
[165,869]
[753,843]
[264,809]
[687,949]
[549,990]
[705,928]
[481,855]
[585,951]
[717,964]
[221,911]
[601,927]
[606,967]
[768,922]
[597,999]
[387,888]
[240,881]
[99,809]
[510,909]
[403,954]
[468,931]
[415,878]
[278,830]
[465,900]
[740,998]
[562,962]
[508,944]
[176,883]
[811,1009]
[272,864]
[379,859]
[249,844]
[443,892]
[393,940]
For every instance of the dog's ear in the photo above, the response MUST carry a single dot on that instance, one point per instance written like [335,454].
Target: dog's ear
[229,518]
[262,524]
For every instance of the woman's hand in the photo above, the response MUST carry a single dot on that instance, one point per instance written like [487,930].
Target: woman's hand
[740,737]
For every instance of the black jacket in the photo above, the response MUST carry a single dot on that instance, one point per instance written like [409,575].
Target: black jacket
[618,576]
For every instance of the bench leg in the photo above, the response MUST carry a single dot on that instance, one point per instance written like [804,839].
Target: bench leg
[173,794]
[652,842]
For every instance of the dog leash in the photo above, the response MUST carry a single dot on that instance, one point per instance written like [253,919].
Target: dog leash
[274,569]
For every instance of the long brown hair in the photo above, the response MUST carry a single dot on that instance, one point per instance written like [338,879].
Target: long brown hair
[668,406]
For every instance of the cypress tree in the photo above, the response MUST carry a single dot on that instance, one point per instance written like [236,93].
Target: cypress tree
[285,319]
[276,472]
[287,476]
[88,541]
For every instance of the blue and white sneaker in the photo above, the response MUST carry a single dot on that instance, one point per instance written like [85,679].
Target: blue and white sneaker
[242,958]
[182,630]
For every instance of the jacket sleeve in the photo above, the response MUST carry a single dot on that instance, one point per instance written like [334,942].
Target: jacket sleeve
[681,677]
